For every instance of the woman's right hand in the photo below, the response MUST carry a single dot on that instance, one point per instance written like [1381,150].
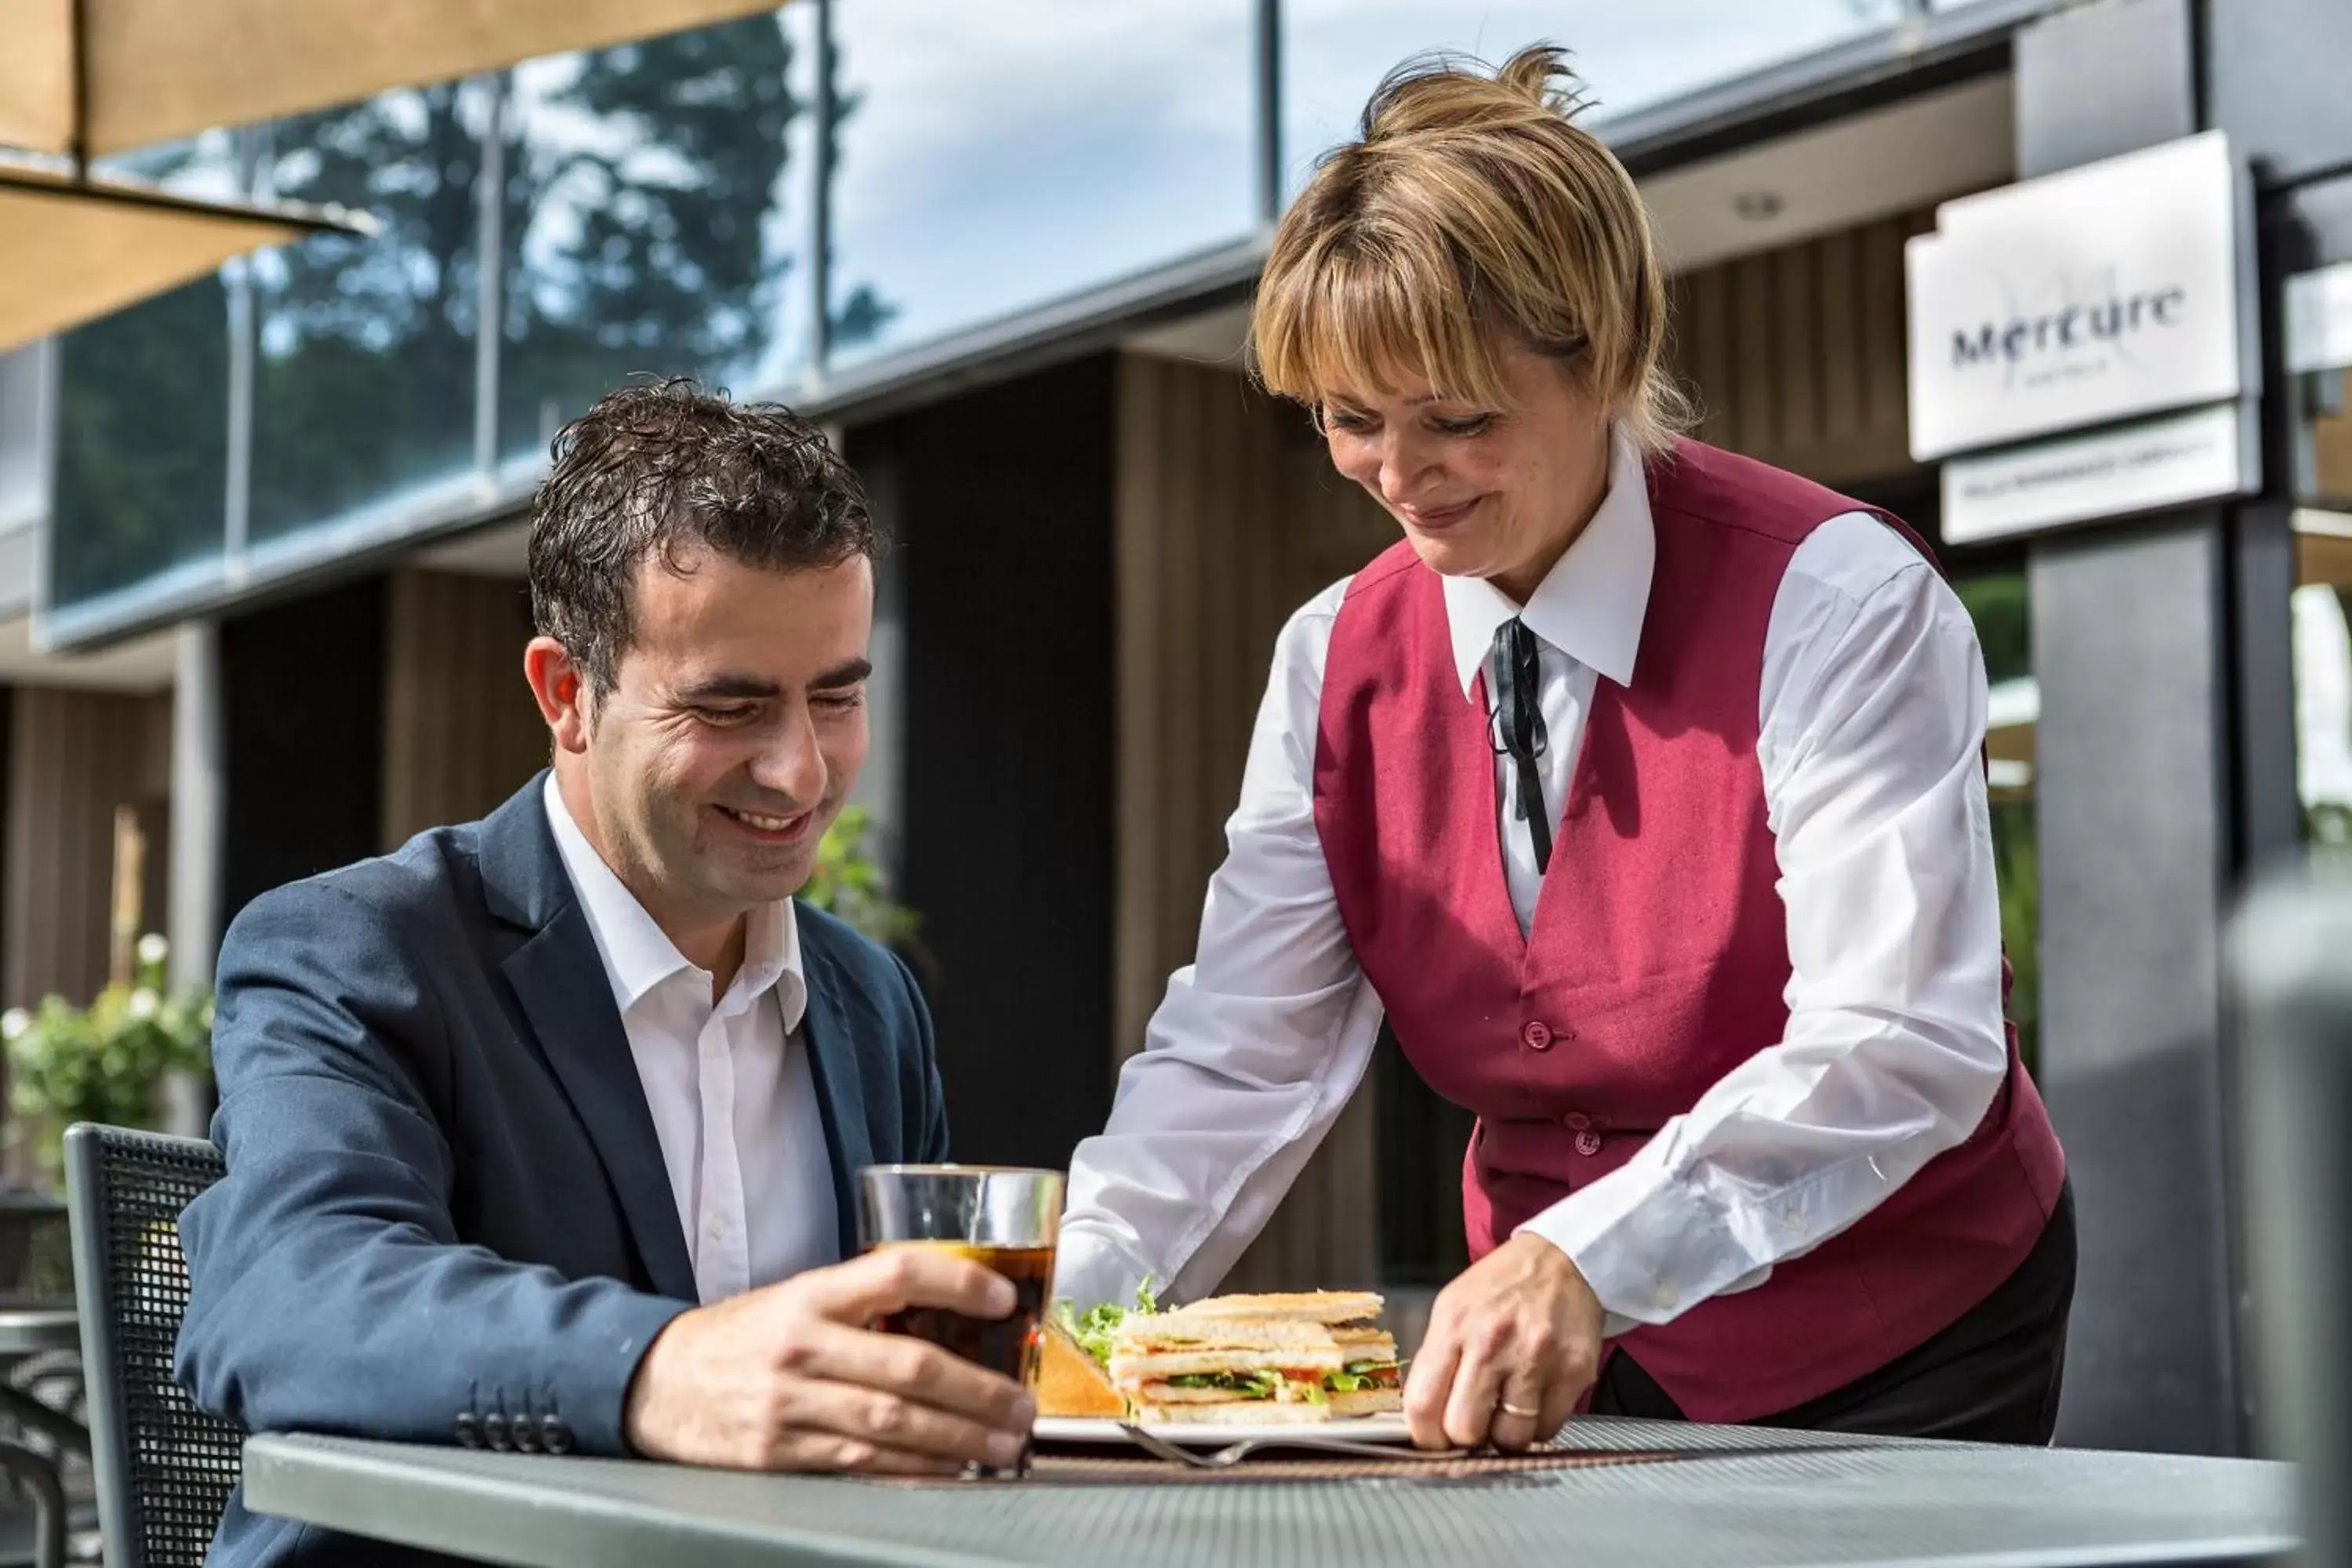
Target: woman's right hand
[1513,1343]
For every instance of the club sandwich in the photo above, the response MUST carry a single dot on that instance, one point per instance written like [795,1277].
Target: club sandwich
[1250,1360]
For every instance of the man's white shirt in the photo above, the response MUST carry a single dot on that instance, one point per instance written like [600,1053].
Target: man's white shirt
[1871,712]
[733,1099]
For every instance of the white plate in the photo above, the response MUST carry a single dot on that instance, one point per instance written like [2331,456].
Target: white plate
[1388,1428]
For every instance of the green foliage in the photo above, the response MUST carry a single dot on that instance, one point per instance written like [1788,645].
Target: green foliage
[2017,867]
[103,1062]
[1999,607]
[849,883]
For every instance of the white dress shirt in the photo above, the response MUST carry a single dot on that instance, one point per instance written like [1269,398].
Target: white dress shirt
[733,1100]
[1871,711]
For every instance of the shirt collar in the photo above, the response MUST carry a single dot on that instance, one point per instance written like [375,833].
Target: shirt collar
[638,955]
[1590,604]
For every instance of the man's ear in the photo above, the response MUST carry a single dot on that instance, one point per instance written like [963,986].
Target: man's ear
[561,687]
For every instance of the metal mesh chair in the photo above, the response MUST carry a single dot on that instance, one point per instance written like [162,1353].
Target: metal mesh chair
[163,1467]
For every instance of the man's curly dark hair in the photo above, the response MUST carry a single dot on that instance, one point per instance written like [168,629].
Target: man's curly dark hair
[664,467]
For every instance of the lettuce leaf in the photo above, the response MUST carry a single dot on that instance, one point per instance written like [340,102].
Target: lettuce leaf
[1358,1375]
[1096,1328]
[1250,1385]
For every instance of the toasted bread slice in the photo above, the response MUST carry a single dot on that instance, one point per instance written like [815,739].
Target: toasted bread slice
[1366,1402]
[1328,1306]
[1069,1383]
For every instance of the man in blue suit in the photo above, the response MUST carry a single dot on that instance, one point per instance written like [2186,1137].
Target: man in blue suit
[540,1131]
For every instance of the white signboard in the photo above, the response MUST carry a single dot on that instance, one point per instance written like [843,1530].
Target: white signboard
[2177,459]
[2319,319]
[2081,298]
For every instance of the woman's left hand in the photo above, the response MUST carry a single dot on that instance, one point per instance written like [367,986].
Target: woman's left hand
[1512,1345]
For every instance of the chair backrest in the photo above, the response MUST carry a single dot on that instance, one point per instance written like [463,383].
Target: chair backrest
[164,1468]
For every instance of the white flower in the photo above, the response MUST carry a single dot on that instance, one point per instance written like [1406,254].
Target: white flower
[154,948]
[145,1003]
[14,1022]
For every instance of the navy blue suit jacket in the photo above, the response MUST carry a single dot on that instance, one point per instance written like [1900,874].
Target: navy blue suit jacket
[445,1198]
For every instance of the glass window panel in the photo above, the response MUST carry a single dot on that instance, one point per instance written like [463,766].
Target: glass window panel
[363,383]
[143,432]
[659,219]
[1335,52]
[995,157]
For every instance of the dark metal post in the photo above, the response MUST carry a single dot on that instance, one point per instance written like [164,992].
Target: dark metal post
[2133,795]
[1268,61]
[821,224]
[2292,996]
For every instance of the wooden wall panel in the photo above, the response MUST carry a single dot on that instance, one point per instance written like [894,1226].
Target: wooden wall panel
[1798,356]
[1228,518]
[73,757]
[461,732]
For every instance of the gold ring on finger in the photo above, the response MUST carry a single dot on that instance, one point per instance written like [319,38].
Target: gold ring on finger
[1509,1409]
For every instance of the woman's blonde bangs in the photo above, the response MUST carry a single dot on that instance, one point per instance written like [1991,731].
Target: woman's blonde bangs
[1350,321]
[1473,213]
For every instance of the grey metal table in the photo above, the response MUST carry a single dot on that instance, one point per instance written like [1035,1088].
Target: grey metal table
[1757,1499]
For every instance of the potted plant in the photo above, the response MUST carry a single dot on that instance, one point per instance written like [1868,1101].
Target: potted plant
[107,1061]
[849,882]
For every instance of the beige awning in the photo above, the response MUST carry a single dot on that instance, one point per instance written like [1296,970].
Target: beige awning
[70,251]
[160,69]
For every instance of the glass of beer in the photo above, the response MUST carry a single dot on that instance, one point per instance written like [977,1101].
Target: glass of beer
[1004,1217]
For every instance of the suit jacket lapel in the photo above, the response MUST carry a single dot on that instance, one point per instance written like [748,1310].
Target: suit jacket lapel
[557,976]
[831,1047]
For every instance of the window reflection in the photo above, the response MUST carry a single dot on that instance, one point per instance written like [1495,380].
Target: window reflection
[364,385]
[1334,52]
[143,442]
[657,212]
[994,157]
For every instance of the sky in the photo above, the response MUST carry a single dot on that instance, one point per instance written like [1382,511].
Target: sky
[1006,154]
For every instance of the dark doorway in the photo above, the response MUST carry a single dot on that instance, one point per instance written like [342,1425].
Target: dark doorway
[1001,499]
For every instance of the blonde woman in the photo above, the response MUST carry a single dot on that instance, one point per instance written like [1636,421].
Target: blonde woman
[1640,786]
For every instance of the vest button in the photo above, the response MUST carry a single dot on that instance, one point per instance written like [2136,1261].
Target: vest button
[1588,1143]
[1576,1121]
[1537,1034]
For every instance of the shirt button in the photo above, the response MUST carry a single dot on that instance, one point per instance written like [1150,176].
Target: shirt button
[1537,1034]
[717,1229]
[1663,1296]
[1588,1143]
[1576,1121]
